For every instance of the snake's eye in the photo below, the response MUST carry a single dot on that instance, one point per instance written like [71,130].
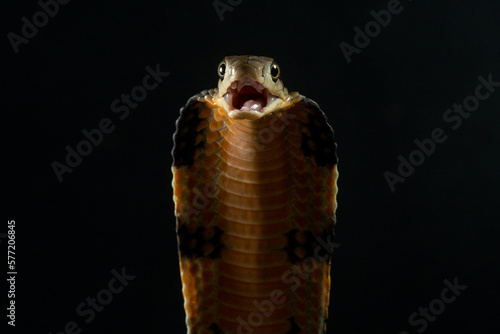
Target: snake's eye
[275,71]
[222,69]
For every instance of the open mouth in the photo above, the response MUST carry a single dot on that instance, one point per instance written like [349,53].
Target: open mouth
[248,95]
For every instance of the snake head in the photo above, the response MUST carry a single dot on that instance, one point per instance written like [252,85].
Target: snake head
[250,87]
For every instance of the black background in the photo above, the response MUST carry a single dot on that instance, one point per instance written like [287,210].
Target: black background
[115,209]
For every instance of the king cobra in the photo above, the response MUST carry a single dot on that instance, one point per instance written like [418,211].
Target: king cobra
[255,186]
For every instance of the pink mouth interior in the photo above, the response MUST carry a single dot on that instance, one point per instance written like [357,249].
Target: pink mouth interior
[246,94]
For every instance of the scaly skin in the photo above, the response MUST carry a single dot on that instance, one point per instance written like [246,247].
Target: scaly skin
[254,192]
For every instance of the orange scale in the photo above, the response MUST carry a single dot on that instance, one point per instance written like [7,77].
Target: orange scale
[215,126]
[202,125]
[212,137]
[253,217]
[253,245]
[261,289]
[219,117]
[253,230]
[211,161]
[269,259]
[212,148]
[205,112]
[251,275]
[179,174]
[330,179]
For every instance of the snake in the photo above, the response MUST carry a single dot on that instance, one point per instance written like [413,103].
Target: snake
[254,189]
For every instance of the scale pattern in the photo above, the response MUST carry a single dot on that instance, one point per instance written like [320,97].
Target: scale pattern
[255,205]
